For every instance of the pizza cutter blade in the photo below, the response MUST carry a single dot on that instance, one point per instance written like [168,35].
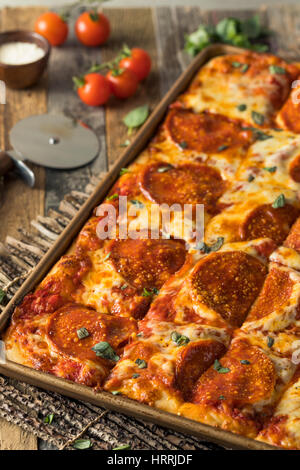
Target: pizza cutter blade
[54,141]
[50,140]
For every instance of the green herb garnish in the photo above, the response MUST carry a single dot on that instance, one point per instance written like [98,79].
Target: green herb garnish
[208,248]
[112,197]
[107,256]
[242,107]
[219,368]
[104,350]
[163,169]
[258,118]
[82,333]
[135,376]
[115,392]
[245,362]
[179,339]
[49,418]
[124,447]
[141,363]
[125,144]
[276,69]
[251,178]
[183,145]
[123,171]
[270,341]
[82,444]
[137,203]
[270,169]
[279,201]
[222,147]
[136,117]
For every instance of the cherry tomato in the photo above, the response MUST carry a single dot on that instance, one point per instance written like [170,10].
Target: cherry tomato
[92,28]
[52,27]
[93,89]
[138,61]
[123,82]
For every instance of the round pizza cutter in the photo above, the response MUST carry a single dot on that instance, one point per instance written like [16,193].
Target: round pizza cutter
[50,140]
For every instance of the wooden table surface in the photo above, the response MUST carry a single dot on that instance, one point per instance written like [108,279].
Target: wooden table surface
[161,32]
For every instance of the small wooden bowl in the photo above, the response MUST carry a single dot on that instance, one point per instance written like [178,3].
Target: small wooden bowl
[24,75]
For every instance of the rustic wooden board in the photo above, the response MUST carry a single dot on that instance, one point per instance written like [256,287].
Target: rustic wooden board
[20,204]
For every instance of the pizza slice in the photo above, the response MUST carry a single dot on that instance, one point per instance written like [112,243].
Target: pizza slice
[248,86]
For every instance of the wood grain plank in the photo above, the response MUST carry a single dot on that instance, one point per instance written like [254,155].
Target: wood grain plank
[135,28]
[73,59]
[20,204]
[284,21]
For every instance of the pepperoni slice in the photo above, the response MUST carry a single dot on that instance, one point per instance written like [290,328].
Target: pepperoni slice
[267,222]
[205,132]
[250,379]
[293,240]
[64,323]
[190,183]
[147,263]
[294,169]
[275,293]
[193,360]
[229,282]
[289,115]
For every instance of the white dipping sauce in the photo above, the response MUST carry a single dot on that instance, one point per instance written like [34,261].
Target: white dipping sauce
[19,53]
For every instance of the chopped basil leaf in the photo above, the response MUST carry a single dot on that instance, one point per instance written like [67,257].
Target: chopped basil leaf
[112,197]
[107,256]
[258,118]
[236,64]
[104,350]
[221,397]
[49,418]
[245,362]
[208,248]
[126,143]
[140,335]
[262,136]
[146,293]
[82,333]
[251,178]
[115,392]
[136,117]
[141,363]
[163,169]
[124,286]
[124,447]
[2,295]
[222,147]
[270,169]
[219,368]
[217,245]
[244,68]
[183,145]
[82,444]
[276,69]
[270,341]
[123,171]
[242,107]
[137,203]
[135,376]
[179,339]
[279,201]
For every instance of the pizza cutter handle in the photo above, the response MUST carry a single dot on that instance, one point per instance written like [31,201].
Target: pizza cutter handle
[6,163]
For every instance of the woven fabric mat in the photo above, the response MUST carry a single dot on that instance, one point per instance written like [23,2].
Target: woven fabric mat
[26,405]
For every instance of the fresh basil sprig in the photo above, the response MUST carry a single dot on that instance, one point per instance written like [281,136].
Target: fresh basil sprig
[241,33]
